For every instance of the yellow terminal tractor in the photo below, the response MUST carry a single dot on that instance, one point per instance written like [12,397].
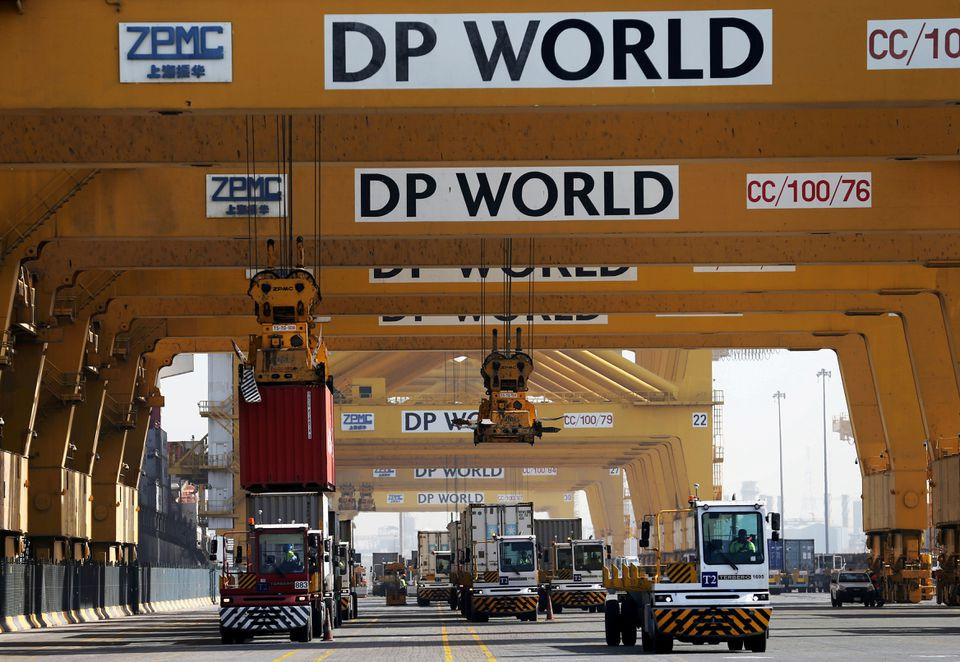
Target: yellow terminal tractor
[505,415]
[715,589]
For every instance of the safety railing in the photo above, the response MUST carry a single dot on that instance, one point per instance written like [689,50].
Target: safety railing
[67,387]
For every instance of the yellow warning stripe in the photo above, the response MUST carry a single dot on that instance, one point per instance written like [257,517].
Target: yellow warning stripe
[578,598]
[712,621]
[679,573]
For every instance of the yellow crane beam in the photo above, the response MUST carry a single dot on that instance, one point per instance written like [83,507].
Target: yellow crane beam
[814,134]
[250,51]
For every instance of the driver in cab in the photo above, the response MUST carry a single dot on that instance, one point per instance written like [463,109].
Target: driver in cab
[742,544]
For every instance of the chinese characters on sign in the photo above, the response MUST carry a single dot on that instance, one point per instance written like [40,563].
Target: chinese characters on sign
[176,53]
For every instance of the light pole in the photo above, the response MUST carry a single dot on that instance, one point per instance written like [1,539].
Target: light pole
[778,396]
[825,374]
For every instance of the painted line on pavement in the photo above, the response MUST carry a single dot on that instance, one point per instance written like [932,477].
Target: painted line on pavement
[447,653]
[483,647]
[284,656]
[323,657]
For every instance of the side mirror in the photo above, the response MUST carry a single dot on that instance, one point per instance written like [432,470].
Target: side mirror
[327,545]
[644,534]
[546,556]
[213,547]
[609,552]
[775,521]
[238,554]
[775,535]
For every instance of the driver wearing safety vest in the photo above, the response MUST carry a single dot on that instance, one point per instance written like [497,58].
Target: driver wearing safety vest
[742,543]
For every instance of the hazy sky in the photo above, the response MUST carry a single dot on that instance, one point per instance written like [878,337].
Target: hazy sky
[750,429]
[750,426]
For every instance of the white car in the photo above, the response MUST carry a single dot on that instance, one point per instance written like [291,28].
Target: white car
[853,587]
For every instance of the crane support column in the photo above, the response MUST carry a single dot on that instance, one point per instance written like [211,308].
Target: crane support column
[59,496]
[895,511]
[115,503]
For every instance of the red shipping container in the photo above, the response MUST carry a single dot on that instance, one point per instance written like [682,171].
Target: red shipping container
[286,440]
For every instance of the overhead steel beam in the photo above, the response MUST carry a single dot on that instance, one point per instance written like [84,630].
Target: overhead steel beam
[37,44]
[124,141]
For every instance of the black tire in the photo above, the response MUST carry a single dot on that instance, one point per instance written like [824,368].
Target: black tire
[663,643]
[611,623]
[532,616]
[601,607]
[356,605]
[423,603]
[480,618]
[629,618]
[227,637]
[557,609]
[646,642]
[757,644]
[316,615]
[735,645]
[303,635]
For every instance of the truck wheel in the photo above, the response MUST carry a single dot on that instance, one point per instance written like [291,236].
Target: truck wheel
[757,644]
[532,616]
[611,623]
[227,637]
[480,618]
[735,645]
[557,609]
[600,607]
[423,603]
[663,643]
[316,615]
[356,605]
[646,642]
[628,622]
[304,634]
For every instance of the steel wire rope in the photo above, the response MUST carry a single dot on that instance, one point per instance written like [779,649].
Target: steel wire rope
[289,165]
[283,198]
[246,146]
[318,204]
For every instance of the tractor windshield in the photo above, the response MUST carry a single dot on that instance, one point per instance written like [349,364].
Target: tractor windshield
[732,538]
[516,556]
[588,558]
[281,553]
[564,558]
[443,564]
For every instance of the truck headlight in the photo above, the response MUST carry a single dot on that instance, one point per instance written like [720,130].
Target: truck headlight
[760,597]
[663,598]
[302,598]
[226,601]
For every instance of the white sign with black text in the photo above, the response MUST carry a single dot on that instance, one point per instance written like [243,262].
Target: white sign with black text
[496,275]
[395,499]
[700,419]
[451,498]
[384,473]
[490,320]
[548,50]
[555,193]
[434,420]
[461,472]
